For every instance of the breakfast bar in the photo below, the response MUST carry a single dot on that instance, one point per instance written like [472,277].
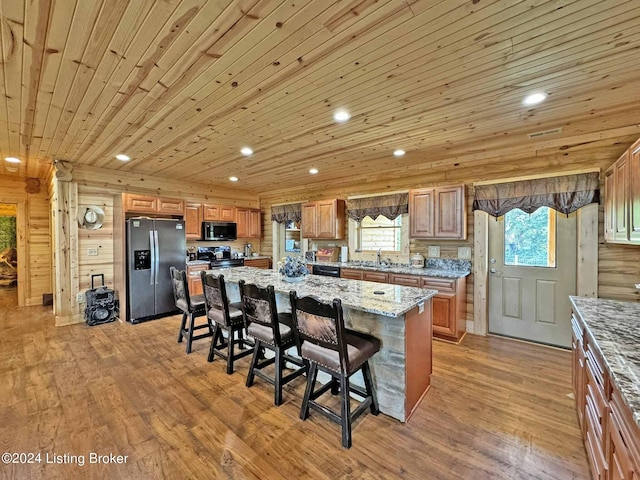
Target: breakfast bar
[399,316]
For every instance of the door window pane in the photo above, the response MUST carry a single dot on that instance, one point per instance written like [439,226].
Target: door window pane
[530,239]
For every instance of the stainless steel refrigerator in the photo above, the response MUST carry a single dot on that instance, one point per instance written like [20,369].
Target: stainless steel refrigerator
[153,245]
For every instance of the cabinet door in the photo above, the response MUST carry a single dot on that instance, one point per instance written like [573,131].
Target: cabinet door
[227,213]
[609,205]
[193,221]
[242,220]
[634,193]
[621,199]
[211,212]
[326,218]
[619,457]
[350,273]
[140,203]
[405,280]
[421,213]
[309,220]
[444,314]
[255,224]
[172,206]
[450,213]
[379,277]
[258,263]
[195,285]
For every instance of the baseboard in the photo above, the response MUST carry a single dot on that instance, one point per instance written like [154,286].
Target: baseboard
[69,320]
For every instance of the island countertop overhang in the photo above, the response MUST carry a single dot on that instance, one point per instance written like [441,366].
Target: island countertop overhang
[378,298]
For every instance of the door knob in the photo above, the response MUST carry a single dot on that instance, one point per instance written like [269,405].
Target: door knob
[494,271]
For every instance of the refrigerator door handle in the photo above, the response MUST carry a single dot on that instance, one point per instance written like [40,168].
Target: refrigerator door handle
[153,257]
[157,256]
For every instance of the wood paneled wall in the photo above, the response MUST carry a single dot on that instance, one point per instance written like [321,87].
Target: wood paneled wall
[618,265]
[34,240]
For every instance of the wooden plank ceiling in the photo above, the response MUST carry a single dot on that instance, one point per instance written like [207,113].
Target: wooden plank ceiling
[181,85]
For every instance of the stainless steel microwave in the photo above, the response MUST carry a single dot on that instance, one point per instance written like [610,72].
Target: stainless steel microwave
[219,231]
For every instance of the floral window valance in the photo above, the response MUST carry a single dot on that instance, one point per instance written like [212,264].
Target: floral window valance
[566,194]
[389,206]
[284,213]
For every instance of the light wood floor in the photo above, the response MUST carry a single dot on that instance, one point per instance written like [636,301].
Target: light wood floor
[498,409]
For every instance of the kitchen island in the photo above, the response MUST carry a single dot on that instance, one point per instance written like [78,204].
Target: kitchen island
[399,316]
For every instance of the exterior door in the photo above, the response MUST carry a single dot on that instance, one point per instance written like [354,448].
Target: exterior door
[532,269]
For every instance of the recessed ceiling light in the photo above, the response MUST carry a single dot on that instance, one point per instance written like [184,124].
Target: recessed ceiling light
[534,99]
[246,151]
[12,160]
[313,171]
[233,179]
[123,157]
[341,116]
[399,152]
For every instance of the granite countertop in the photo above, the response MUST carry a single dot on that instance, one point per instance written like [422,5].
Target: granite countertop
[355,294]
[441,268]
[614,327]
[257,257]
[197,262]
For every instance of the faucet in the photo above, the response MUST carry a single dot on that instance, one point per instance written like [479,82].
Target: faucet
[379,256]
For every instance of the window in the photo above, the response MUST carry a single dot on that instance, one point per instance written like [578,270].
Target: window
[530,239]
[380,233]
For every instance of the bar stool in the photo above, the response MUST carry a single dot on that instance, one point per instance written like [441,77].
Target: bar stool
[223,316]
[324,341]
[191,308]
[272,330]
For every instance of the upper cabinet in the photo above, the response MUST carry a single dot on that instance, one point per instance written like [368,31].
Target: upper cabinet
[220,213]
[193,221]
[438,213]
[249,222]
[622,198]
[149,204]
[323,219]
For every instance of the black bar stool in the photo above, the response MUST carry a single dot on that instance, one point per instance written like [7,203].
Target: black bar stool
[223,316]
[191,308]
[324,341]
[271,330]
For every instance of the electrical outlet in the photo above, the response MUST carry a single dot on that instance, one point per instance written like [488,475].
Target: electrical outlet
[80,297]
[433,251]
[92,252]
[464,253]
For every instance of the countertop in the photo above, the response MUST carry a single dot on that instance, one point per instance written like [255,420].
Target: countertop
[402,269]
[614,325]
[205,262]
[394,301]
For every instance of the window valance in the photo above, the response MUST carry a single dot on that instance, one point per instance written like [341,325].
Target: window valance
[389,206]
[566,194]
[284,213]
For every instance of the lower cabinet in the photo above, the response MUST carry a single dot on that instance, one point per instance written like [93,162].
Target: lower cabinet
[194,280]
[449,305]
[610,433]
[258,263]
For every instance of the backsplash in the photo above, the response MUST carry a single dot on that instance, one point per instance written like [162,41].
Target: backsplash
[448,264]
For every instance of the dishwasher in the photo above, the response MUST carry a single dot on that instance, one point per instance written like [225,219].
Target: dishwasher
[326,270]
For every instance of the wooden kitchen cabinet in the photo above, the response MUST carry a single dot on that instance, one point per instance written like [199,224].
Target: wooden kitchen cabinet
[449,307]
[194,280]
[578,368]
[248,222]
[258,262]
[371,276]
[405,280]
[193,219]
[634,193]
[323,219]
[136,203]
[351,273]
[438,213]
[623,441]
[622,198]
[219,213]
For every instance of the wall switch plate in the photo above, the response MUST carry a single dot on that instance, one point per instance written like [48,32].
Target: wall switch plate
[433,251]
[464,253]
[80,297]
[92,252]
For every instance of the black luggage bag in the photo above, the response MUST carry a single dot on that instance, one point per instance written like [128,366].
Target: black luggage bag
[101,304]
